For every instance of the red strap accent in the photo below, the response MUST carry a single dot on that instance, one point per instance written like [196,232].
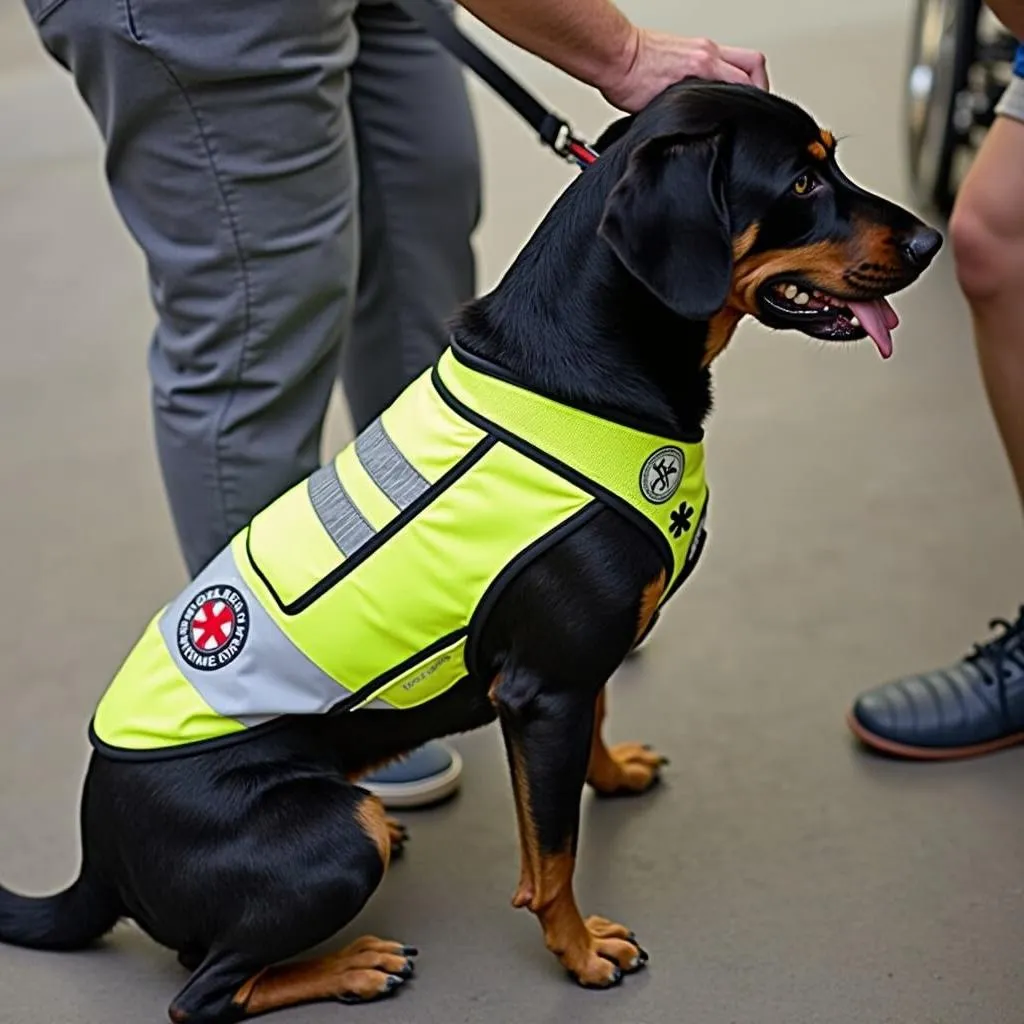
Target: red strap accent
[582,153]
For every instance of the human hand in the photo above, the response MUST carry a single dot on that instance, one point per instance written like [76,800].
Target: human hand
[659,60]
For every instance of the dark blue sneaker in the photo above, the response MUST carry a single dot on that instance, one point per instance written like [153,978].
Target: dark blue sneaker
[426,776]
[974,706]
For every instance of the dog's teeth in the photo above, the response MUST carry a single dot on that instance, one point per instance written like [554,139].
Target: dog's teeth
[790,291]
[854,322]
[802,299]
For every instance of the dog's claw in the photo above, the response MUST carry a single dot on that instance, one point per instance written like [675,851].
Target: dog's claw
[615,978]
[616,975]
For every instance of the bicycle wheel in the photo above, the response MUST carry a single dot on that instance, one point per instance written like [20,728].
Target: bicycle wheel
[942,47]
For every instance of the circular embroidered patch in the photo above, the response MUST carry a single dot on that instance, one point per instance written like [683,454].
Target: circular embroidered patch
[213,628]
[662,474]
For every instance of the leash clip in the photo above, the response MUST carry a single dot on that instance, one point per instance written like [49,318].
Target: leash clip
[554,132]
[561,142]
[580,153]
[558,135]
[575,150]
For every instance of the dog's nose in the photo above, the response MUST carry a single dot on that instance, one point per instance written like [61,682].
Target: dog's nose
[920,246]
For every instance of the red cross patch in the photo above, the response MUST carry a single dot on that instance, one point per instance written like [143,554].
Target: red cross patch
[213,628]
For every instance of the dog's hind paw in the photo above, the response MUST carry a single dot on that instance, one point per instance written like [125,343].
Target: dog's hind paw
[627,769]
[371,968]
[368,969]
[398,834]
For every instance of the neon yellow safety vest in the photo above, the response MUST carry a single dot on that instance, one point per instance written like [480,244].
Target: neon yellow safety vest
[366,585]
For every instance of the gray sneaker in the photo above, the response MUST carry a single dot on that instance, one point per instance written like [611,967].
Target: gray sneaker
[424,777]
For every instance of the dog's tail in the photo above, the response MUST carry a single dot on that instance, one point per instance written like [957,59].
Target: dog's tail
[72,919]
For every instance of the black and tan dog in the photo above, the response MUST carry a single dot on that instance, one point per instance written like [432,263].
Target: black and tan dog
[714,203]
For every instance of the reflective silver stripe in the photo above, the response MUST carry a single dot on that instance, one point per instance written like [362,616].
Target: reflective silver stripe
[337,512]
[268,677]
[387,467]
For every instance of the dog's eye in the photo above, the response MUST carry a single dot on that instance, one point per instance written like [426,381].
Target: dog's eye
[804,185]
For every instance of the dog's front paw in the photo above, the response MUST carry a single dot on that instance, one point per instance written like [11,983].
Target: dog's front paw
[611,953]
[625,769]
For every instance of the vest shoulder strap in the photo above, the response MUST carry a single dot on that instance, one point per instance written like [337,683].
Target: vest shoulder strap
[656,482]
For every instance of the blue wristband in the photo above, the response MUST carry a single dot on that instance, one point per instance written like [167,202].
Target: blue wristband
[1018,64]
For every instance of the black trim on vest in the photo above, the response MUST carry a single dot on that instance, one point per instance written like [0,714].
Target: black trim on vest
[478,620]
[392,673]
[183,749]
[333,578]
[612,500]
[489,369]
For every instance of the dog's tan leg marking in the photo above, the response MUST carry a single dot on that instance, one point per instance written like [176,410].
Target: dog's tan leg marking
[367,969]
[595,951]
[374,821]
[528,847]
[525,889]
[624,769]
[649,603]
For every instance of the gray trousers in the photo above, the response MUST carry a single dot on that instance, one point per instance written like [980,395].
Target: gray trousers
[303,178]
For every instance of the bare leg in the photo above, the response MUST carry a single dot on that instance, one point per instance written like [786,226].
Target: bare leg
[972,706]
[987,228]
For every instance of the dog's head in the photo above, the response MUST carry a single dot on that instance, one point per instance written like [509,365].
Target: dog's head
[730,203]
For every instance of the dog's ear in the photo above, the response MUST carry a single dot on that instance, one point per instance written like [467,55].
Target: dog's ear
[667,222]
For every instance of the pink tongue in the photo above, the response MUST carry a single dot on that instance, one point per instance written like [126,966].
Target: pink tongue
[878,318]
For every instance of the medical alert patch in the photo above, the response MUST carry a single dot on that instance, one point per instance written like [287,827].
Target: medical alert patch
[662,474]
[213,628]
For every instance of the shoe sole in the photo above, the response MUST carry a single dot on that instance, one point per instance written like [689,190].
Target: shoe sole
[423,792]
[870,739]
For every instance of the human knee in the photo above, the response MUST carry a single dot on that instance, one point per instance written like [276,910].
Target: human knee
[975,249]
[988,247]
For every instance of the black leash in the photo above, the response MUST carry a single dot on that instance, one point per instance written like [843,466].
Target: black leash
[553,130]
